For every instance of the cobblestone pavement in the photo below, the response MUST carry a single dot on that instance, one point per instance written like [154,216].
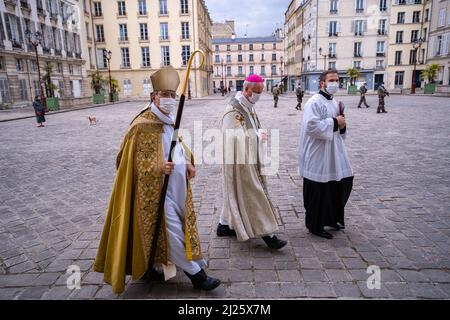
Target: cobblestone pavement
[56,182]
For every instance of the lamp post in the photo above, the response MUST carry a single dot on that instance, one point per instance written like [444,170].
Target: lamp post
[325,56]
[281,73]
[35,39]
[416,45]
[108,55]
[222,87]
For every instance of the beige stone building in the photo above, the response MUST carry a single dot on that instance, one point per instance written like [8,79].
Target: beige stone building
[235,58]
[409,22]
[145,35]
[338,34]
[59,22]
[439,42]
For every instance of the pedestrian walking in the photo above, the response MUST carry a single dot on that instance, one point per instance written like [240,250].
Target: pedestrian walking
[39,110]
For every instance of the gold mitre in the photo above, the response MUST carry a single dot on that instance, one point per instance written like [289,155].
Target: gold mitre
[165,79]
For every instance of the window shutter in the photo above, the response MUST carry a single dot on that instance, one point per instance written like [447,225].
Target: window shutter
[328,27]
[338,27]
[365,26]
[8,26]
[353,26]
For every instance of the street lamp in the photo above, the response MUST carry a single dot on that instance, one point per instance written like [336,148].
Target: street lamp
[35,39]
[223,82]
[108,55]
[325,56]
[416,45]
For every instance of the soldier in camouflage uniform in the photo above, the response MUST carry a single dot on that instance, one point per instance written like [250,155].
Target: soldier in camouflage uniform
[382,92]
[299,93]
[275,93]
[363,91]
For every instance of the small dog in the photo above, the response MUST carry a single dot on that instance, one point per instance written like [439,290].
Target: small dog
[92,120]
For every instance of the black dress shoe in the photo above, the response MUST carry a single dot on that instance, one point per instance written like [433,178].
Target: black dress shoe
[274,242]
[224,231]
[201,281]
[368,107]
[153,275]
[323,234]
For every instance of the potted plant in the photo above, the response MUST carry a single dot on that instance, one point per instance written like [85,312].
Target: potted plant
[430,74]
[115,89]
[97,85]
[52,102]
[353,74]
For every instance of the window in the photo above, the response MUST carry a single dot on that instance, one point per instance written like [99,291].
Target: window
[101,59]
[184,6]
[228,47]
[2,62]
[240,70]
[37,89]
[217,48]
[146,86]
[14,30]
[274,57]
[251,58]
[263,70]
[424,36]
[240,58]
[416,17]
[165,54]
[123,32]
[442,17]
[380,48]
[380,64]
[262,57]
[23,90]
[100,33]
[401,2]
[332,65]
[382,27]
[359,27]
[333,6]
[357,49]
[70,69]
[399,37]
[359,6]
[4,91]
[98,9]
[217,59]
[142,7]
[185,30]
[438,46]
[59,67]
[252,70]
[240,47]
[164,31]
[274,69]
[412,56]
[332,50]
[122,11]
[333,29]
[414,35]
[145,56]
[228,58]
[127,87]
[143,28]
[399,78]
[426,15]
[229,71]
[163,7]
[185,54]
[262,46]
[398,57]
[383,5]
[19,65]
[274,46]
[401,18]
[125,56]
[357,64]
[251,47]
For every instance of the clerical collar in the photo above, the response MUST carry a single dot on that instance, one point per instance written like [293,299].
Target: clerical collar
[326,95]
[170,119]
[248,106]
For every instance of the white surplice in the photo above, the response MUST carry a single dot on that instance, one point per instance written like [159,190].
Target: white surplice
[323,156]
[175,204]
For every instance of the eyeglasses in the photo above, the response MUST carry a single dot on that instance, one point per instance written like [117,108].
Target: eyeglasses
[167,94]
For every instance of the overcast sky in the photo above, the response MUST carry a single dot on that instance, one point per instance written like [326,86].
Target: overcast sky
[262,16]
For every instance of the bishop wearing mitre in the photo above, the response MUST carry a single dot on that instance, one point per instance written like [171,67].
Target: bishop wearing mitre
[130,223]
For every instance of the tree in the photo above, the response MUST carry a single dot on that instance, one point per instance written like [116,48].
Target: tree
[49,86]
[114,85]
[96,82]
[353,74]
[431,72]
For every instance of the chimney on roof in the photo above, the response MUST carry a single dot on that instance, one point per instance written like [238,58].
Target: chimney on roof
[233,36]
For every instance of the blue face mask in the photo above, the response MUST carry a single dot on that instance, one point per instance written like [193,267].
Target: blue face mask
[332,88]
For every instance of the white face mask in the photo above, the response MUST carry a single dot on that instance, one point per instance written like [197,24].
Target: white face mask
[167,105]
[332,88]
[255,97]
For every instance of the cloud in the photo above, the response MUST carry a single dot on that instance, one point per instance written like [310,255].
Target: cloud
[259,18]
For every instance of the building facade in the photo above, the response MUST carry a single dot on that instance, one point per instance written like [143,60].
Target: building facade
[59,22]
[236,58]
[145,35]
[439,40]
[409,23]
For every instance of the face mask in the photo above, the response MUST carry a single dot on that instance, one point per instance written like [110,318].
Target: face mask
[255,97]
[167,105]
[332,87]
